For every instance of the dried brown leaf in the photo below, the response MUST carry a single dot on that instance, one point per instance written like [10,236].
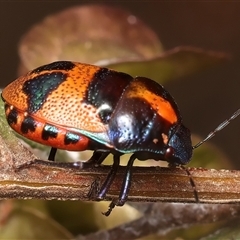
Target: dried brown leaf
[89,34]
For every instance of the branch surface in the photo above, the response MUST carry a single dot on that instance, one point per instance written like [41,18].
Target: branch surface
[48,180]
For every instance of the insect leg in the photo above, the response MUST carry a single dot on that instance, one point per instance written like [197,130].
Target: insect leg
[110,177]
[97,157]
[52,154]
[125,187]
[192,183]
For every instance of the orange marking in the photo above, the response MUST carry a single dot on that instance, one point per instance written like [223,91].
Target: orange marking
[165,138]
[162,106]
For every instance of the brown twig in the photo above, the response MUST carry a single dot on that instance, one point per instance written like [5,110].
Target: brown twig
[161,218]
[47,180]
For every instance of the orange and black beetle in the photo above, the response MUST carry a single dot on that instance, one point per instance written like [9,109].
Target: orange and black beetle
[77,106]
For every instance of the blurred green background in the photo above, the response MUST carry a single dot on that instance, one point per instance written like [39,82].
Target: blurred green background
[204,99]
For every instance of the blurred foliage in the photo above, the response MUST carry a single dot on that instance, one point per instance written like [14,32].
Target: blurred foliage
[29,222]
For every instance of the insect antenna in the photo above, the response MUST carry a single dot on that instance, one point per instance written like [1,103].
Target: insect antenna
[217,129]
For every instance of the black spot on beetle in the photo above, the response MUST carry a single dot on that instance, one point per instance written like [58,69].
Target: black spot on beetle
[12,116]
[60,65]
[37,89]
[71,138]
[49,131]
[28,124]
[105,90]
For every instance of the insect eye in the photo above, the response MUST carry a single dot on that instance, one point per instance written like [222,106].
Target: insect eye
[169,153]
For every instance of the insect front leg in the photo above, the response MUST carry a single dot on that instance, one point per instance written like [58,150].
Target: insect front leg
[125,187]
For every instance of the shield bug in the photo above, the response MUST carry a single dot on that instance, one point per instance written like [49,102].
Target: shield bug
[76,106]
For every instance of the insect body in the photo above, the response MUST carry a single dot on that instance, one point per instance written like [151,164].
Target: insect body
[77,106]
